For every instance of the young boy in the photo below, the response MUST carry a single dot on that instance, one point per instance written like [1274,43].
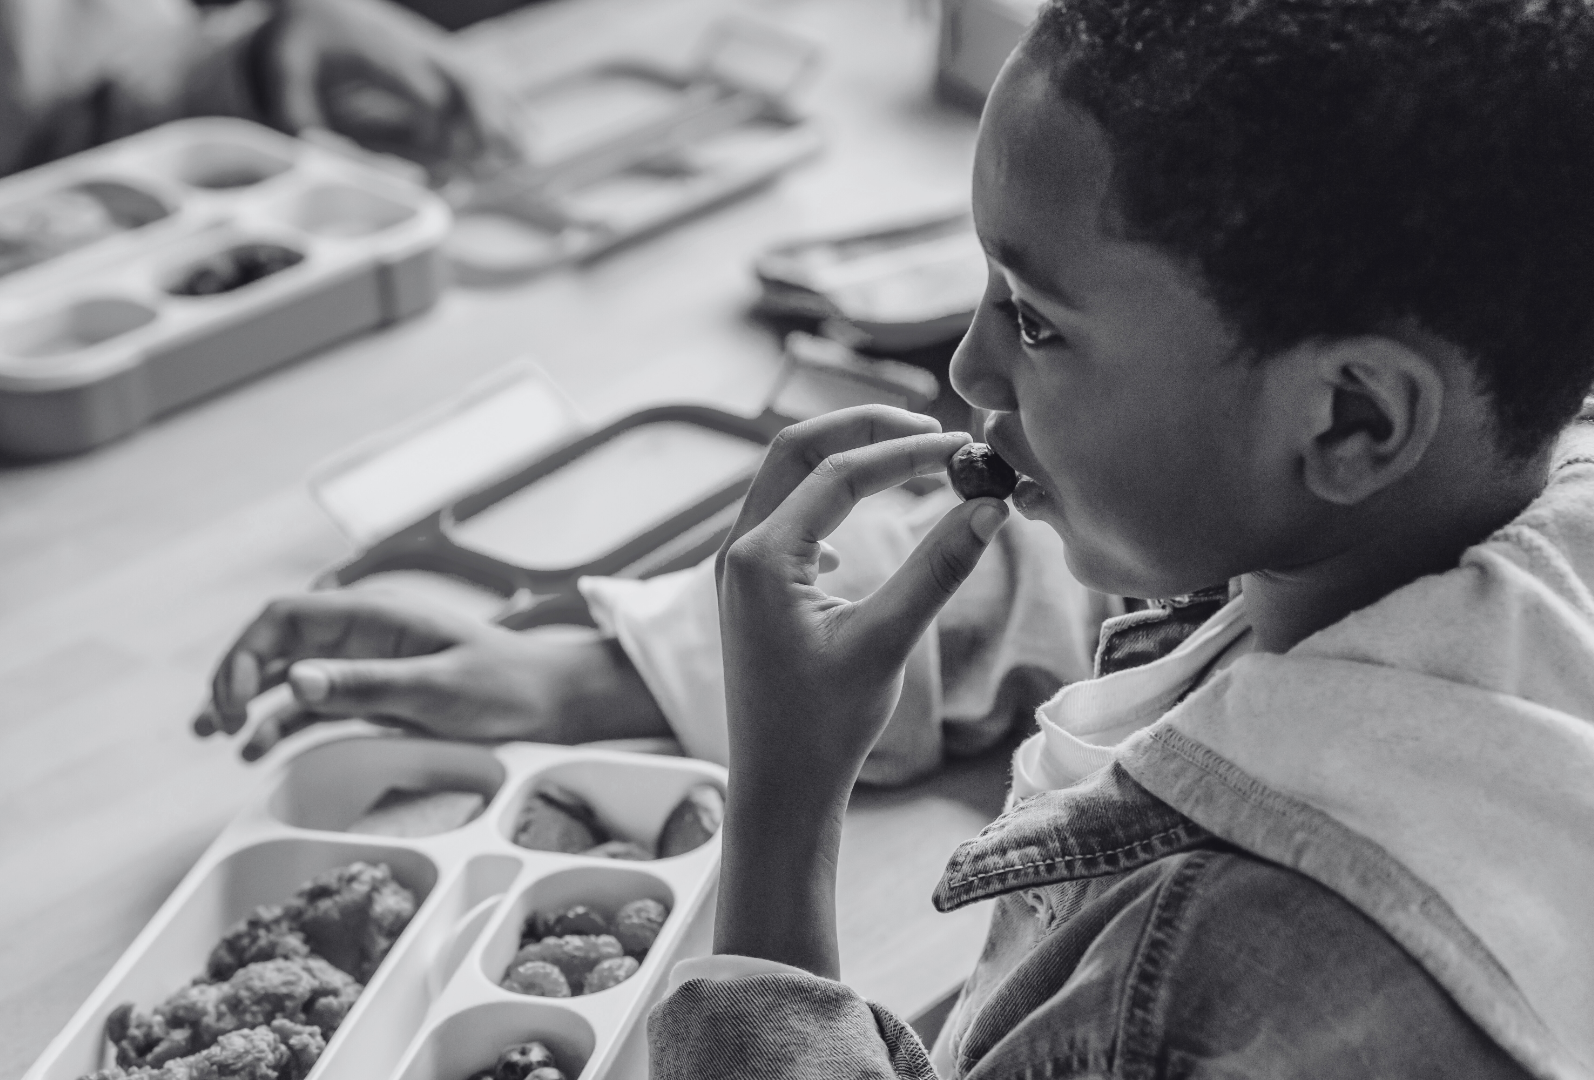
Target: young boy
[1293,293]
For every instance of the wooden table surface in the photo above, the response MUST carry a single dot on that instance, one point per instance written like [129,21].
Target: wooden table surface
[123,573]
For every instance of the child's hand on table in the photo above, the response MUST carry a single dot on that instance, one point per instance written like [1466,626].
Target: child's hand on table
[811,680]
[391,660]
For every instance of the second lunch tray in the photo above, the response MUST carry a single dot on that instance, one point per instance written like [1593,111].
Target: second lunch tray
[144,274]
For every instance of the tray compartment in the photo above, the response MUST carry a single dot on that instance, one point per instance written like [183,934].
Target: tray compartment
[234,267]
[176,944]
[473,1039]
[371,1042]
[329,786]
[631,799]
[227,164]
[343,211]
[45,225]
[606,888]
[73,327]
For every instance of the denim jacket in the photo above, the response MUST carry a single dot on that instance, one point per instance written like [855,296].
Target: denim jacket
[1126,941]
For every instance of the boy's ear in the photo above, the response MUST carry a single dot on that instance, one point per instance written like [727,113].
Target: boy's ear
[1376,407]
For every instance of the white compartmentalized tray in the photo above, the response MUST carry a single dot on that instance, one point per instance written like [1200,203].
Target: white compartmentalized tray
[434,1009]
[143,274]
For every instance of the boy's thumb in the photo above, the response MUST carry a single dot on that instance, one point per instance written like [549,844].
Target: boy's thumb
[903,608]
[358,687]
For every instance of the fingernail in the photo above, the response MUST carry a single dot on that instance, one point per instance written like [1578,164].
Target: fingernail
[310,683]
[251,752]
[986,519]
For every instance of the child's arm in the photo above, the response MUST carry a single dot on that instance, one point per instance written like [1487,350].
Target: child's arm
[352,653]
[811,680]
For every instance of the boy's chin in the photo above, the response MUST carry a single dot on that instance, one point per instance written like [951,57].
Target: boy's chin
[1100,571]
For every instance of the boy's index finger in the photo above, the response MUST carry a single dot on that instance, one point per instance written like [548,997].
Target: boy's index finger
[798,450]
[830,492]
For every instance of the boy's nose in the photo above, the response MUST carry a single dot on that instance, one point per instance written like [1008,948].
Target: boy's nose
[978,372]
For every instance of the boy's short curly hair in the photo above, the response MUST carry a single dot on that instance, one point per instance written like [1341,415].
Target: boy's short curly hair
[1341,167]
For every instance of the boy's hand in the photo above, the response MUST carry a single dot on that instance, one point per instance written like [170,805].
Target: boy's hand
[811,680]
[392,660]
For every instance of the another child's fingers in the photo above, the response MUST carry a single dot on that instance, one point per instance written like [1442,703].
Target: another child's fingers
[337,623]
[828,494]
[275,727]
[799,449]
[403,690]
[247,669]
[897,614]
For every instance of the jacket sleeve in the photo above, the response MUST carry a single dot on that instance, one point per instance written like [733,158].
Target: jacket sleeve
[779,1027]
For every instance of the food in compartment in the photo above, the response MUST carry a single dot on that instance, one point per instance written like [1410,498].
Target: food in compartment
[695,819]
[537,978]
[411,814]
[41,228]
[523,1061]
[234,268]
[977,471]
[637,925]
[275,987]
[609,973]
[555,819]
[583,950]
[625,850]
[580,919]
[272,1052]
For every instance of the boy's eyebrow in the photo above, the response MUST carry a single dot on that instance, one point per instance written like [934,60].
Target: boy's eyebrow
[1013,259]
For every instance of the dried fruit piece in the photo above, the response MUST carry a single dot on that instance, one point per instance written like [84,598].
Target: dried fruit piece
[694,820]
[553,820]
[621,849]
[580,919]
[537,978]
[610,973]
[638,923]
[573,954]
[977,471]
[518,1062]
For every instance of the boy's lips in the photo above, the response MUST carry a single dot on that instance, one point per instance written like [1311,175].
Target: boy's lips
[1029,494]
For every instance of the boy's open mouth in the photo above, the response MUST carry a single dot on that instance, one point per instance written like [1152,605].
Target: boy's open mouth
[1028,494]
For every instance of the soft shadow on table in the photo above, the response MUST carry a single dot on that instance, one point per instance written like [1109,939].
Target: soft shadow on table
[980,783]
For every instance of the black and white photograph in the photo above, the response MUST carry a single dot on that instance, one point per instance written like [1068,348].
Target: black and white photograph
[797,539]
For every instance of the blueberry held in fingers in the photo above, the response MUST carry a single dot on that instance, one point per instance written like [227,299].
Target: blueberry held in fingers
[977,472]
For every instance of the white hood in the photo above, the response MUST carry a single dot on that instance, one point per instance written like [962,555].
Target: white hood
[1451,724]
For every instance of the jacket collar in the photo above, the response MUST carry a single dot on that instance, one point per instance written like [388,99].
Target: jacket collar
[1105,824]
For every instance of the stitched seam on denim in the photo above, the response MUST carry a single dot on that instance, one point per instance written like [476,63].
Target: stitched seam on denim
[962,881]
[1139,1036]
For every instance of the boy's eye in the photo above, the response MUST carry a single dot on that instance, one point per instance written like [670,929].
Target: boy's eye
[1031,331]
